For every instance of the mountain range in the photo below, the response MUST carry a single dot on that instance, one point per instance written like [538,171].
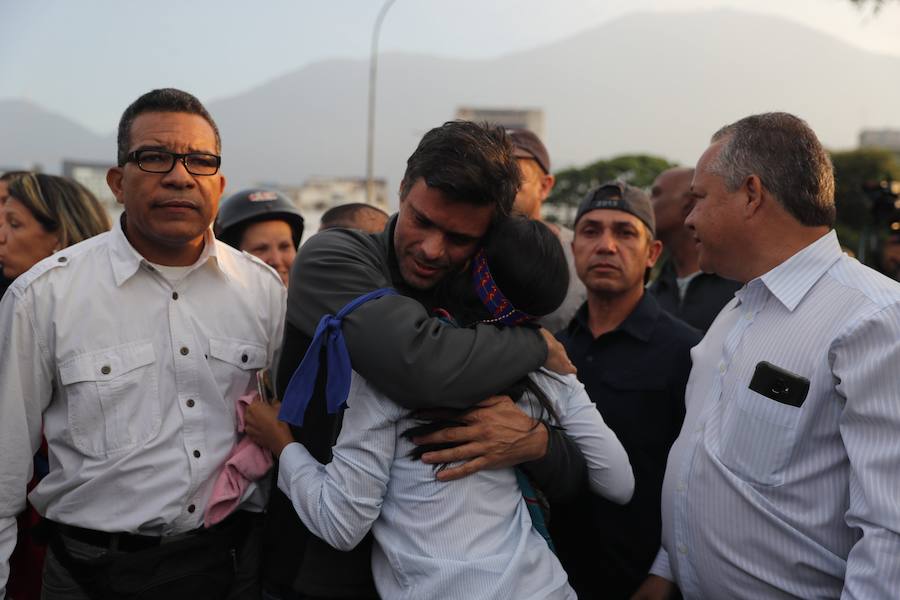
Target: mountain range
[658,83]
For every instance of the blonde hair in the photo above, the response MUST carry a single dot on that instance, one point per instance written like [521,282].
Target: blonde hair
[61,206]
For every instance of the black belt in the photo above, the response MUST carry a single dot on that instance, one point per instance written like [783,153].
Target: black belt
[132,542]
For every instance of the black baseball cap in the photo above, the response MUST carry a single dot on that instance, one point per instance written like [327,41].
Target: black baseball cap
[617,195]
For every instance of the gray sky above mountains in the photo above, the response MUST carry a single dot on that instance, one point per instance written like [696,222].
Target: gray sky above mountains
[88,60]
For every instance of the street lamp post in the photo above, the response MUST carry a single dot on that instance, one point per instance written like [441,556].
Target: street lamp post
[373,71]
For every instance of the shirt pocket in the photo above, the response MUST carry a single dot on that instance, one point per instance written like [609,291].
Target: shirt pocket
[758,437]
[112,398]
[233,363]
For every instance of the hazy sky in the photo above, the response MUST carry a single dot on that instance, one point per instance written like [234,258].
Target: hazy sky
[88,59]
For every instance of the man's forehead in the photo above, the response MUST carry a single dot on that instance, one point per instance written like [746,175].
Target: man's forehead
[702,172]
[162,128]
[674,178]
[453,217]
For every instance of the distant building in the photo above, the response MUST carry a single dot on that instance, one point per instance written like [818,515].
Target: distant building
[318,194]
[559,212]
[510,118]
[888,139]
[92,175]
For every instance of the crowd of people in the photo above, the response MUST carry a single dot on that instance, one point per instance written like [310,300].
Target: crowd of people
[460,400]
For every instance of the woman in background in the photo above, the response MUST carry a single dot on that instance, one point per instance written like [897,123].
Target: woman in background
[42,214]
[264,223]
[39,215]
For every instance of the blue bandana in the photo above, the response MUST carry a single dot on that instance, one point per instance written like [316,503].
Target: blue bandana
[300,389]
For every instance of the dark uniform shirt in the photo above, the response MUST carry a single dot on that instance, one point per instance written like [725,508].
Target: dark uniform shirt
[705,296]
[636,375]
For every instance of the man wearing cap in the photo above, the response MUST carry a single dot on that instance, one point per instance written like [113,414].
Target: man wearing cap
[682,288]
[537,183]
[634,360]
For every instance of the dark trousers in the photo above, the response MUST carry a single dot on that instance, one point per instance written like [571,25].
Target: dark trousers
[182,569]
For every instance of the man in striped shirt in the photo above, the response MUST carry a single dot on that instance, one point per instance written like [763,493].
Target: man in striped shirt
[784,480]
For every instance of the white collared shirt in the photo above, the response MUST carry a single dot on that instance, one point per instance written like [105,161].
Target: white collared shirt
[135,379]
[763,499]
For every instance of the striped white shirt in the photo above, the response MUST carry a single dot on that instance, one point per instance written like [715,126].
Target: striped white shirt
[763,499]
[472,538]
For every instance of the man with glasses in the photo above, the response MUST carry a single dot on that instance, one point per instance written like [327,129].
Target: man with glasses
[133,349]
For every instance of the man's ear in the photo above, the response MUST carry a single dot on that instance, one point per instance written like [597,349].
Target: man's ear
[114,181]
[655,250]
[547,183]
[755,195]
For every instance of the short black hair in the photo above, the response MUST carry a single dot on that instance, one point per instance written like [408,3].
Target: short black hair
[161,100]
[345,215]
[469,162]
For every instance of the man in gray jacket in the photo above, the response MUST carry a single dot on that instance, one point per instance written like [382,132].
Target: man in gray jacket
[459,180]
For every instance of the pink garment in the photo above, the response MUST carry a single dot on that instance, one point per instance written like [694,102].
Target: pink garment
[247,462]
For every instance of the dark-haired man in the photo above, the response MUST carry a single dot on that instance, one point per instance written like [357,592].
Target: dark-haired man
[133,348]
[634,360]
[783,481]
[354,215]
[682,289]
[460,178]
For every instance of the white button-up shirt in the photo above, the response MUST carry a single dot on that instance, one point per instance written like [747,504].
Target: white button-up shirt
[135,380]
[764,499]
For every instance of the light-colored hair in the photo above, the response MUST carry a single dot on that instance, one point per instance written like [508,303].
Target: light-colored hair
[784,152]
[61,206]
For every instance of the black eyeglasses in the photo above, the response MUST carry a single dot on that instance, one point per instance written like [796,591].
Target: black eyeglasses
[163,161]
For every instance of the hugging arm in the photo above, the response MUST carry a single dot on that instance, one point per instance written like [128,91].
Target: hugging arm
[338,502]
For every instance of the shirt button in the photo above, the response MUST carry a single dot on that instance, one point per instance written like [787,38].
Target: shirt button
[196,454]
[105,369]
[680,487]
[722,367]
[749,316]
[682,549]
[190,403]
[244,358]
[62,259]
[191,508]
[184,351]
[174,295]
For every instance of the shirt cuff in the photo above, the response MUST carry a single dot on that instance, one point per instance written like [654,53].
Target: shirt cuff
[661,566]
[294,459]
